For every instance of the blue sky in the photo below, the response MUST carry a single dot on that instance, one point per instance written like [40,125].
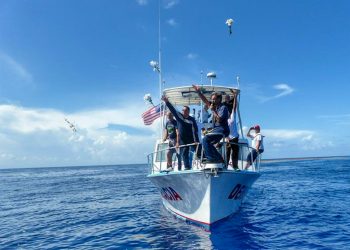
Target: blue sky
[88,61]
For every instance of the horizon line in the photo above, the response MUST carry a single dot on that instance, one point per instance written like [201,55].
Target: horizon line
[262,161]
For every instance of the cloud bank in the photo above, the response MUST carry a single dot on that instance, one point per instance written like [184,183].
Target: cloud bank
[32,137]
[41,137]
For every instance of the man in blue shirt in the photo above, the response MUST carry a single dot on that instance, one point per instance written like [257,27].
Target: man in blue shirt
[187,132]
[221,129]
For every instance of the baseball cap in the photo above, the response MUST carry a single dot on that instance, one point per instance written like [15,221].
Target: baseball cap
[257,127]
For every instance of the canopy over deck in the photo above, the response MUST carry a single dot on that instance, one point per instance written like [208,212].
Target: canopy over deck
[188,96]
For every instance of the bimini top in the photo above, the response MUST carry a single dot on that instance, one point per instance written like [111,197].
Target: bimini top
[188,96]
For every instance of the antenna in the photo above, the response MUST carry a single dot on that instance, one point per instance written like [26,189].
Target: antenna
[211,76]
[238,105]
[160,52]
[162,110]
[157,66]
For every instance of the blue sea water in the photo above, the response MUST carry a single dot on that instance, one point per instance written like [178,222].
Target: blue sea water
[293,205]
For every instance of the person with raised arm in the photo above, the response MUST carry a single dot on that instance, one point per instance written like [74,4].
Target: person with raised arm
[232,148]
[187,132]
[220,125]
[257,145]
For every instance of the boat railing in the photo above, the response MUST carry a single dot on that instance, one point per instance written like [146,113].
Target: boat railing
[157,160]
[245,152]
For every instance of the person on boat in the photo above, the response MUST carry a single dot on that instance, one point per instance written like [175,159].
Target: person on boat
[228,103]
[205,114]
[170,134]
[257,145]
[220,128]
[232,148]
[187,132]
[193,113]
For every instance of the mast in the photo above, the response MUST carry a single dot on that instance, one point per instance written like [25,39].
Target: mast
[238,104]
[160,72]
[159,54]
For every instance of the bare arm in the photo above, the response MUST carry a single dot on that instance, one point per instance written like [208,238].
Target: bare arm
[248,134]
[165,134]
[204,99]
[196,131]
[177,138]
[235,94]
[234,105]
[234,108]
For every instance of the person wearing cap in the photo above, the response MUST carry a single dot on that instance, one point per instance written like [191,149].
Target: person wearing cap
[257,145]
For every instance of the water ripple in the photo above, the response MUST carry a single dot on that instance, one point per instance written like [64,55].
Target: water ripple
[300,204]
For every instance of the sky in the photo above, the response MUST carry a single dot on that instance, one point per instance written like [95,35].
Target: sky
[88,62]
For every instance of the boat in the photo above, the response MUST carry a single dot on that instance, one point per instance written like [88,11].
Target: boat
[208,192]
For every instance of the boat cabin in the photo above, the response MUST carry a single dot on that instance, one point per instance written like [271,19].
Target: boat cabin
[187,96]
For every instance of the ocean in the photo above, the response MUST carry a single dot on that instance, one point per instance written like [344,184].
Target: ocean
[294,205]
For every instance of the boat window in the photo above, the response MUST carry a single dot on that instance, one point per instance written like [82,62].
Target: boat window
[161,152]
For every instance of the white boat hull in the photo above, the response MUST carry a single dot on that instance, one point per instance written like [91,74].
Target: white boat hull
[201,196]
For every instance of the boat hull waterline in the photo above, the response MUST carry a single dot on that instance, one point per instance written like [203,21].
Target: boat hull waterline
[203,197]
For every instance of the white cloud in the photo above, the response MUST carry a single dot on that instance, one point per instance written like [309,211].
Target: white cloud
[142,2]
[15,67]
[288,134]
[296,143]
[284,88]
[337,119]
[40,137]
[284,91]
[255,90]
[172,22]
[170,3]
[338,116]
[191,56]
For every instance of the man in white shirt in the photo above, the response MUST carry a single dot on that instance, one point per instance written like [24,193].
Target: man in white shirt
[232,148]
[257,145]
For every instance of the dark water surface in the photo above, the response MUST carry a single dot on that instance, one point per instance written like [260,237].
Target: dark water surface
[294,205]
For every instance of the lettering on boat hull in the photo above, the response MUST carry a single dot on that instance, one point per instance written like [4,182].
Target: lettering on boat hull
[170,194]
[237,192]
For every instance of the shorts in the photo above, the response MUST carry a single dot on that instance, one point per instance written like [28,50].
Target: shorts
[253,155]
[172,148]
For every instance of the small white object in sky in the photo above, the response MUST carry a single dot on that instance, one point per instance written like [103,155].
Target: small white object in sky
[229,23]
[154,65]
[148,99]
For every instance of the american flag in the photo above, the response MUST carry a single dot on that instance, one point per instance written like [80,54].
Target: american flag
[152,114]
